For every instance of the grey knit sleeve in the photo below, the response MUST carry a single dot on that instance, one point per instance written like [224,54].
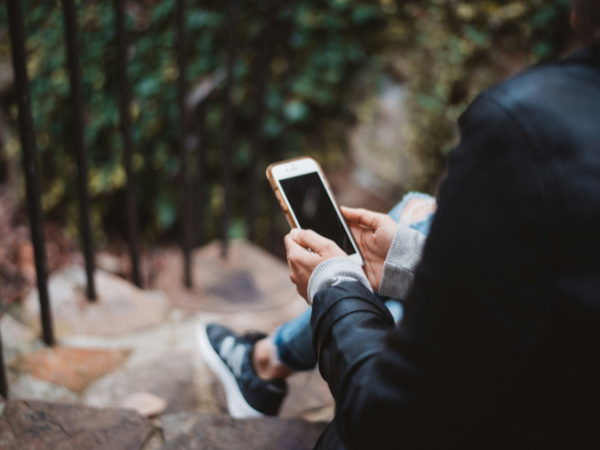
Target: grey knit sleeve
[402,259]
[335,271]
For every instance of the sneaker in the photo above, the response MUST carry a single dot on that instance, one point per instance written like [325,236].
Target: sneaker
[230,357]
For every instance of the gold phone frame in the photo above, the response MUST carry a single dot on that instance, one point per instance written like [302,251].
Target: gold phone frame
[290,217]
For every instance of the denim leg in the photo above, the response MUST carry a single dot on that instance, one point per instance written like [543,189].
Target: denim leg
[293,340]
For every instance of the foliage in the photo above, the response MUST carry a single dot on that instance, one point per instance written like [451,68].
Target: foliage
[325,42]
[448,51]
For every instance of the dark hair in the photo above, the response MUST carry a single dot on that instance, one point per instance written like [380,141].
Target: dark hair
[588,12]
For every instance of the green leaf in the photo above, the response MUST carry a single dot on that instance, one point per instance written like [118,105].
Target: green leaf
[296,111]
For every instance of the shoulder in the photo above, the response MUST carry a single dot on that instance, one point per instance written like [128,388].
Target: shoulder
[542,89]
[549,104]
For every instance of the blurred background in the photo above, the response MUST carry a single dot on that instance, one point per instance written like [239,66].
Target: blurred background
[371,89]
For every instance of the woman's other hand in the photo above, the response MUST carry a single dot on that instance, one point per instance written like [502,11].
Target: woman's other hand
[374,233]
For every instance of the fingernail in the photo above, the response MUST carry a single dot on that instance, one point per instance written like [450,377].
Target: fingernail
[295,232]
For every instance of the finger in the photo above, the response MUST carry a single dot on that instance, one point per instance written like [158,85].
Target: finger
[312,240]
[363,217]
[358,231]
[293,277]
[287,241]
[292,246]
[358,228]
[297,254]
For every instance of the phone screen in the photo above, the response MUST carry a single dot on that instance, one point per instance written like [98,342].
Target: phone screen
[314,209]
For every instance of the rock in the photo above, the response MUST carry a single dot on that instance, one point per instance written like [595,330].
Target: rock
[148,348]
[14,333]
[145,404]
[73,368]
[155,441]
[324,414]
[17,338]
[145,345]
[34,425]
[25,387]
[108,263]
[170,377]
[250,279]
[308,393]
[120,308]
[191,431]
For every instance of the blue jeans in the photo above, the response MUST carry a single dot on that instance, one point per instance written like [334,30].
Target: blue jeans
[293,339]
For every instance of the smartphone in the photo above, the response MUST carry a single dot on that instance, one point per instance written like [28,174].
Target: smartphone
[308,203]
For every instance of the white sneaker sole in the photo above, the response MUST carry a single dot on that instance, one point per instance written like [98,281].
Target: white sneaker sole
[236,403]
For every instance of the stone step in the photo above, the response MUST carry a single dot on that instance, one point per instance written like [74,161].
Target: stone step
[120,307]
[37,425]
[249,279]
[192,431]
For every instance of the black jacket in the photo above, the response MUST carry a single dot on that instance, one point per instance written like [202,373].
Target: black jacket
[500,343]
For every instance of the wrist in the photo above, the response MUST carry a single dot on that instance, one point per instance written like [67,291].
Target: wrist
[402,259]
[334,271]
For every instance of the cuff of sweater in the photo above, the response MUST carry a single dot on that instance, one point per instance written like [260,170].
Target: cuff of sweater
[402,259]
[334,271]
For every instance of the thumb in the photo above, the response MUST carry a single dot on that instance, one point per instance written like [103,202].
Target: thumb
[310,239]
[363,217]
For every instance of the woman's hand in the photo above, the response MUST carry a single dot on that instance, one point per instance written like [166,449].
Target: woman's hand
[302,261]
[374,234]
